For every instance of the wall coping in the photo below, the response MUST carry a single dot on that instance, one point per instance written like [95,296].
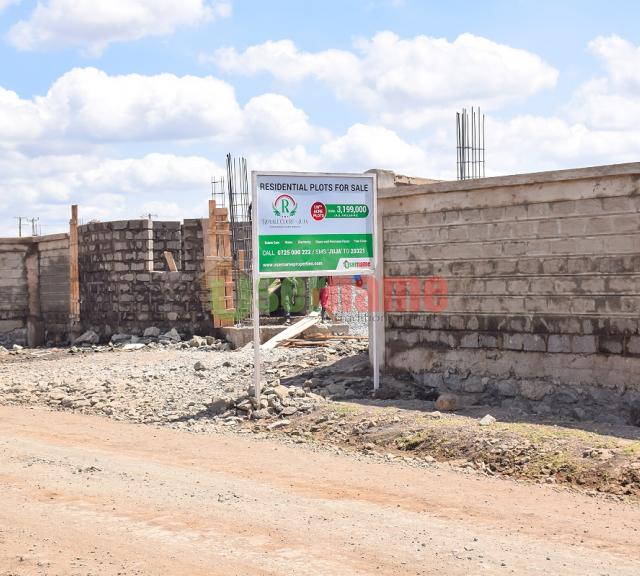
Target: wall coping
[26,240]
[52,237]
[610,170]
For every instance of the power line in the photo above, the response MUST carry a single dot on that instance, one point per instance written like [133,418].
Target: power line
[34,226]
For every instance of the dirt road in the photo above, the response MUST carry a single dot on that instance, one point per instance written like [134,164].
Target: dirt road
[84,495]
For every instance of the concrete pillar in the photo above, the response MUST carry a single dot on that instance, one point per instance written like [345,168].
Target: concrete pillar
[35,324]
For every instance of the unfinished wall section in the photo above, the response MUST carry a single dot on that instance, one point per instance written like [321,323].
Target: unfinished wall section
[34,293]
[167,237]
[54,286]
[120,289]
[14,299]
[543,289]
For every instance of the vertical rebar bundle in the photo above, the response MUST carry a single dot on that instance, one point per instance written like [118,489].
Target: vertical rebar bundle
[470,144]
[239,204]
[219,191]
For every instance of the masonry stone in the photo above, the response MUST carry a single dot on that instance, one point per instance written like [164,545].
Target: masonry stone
[559,343]
[513,341]
[584,344]
[534,343]
[611,344]
[532,390]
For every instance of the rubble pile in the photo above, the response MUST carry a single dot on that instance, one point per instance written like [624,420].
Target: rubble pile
[151,338]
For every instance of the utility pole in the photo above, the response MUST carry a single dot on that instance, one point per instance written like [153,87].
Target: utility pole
[20,219]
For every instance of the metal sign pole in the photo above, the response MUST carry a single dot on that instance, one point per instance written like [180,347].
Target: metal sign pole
[255,293]
[375,289]
[372,292]
[256,336]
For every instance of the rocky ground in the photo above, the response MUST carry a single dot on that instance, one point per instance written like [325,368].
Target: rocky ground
[320,396]
[183,383]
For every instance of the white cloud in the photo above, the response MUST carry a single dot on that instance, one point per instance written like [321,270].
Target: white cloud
[611,102]
[391,76]
[364,146]
[93,25]
[293,159]
[164,210]
[600,125]
[621,59]
[273,118]
[105,188]
[360,148]
[19,119]
[283,60]
[530,143]
[88,105]
[6,3]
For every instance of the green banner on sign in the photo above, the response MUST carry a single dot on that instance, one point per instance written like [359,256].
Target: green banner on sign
[311,252]
[347,211]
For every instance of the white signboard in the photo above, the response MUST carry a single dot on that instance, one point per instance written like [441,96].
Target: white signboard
[313,224]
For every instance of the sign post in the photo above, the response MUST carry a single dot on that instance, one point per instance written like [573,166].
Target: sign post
[312,224]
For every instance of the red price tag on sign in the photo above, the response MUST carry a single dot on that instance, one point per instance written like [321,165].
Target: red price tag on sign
[318,211]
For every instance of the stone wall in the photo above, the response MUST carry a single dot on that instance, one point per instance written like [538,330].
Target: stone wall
[34,290]
[542,276]
[121,291]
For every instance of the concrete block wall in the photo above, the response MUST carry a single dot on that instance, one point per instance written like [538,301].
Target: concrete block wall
[14,304]
[54,286]
[120,290]
[167,236]
[193,263]
[543,285]
[124,285]
[34,290]
[193,245]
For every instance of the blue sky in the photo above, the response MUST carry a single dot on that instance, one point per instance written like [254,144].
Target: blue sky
[129,106]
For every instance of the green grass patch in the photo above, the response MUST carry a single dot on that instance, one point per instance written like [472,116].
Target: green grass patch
[346,409]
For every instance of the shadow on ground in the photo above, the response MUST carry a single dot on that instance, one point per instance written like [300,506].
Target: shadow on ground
[350,380]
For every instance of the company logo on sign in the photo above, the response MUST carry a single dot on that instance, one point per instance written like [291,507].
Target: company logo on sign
[357,264]
[284,206]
